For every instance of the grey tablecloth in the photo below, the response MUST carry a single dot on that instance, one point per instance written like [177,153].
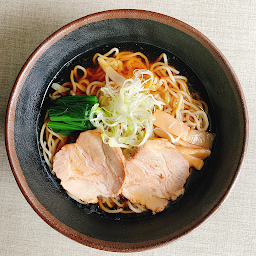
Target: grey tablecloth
[229,24]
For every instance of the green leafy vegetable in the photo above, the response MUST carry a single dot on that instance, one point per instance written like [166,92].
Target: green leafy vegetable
[70,114]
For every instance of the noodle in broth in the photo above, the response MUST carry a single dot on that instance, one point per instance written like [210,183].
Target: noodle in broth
[168,87]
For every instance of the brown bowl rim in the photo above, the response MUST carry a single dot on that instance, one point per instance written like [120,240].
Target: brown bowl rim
[10,120]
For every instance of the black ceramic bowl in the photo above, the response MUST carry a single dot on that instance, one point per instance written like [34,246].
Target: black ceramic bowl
[190,52]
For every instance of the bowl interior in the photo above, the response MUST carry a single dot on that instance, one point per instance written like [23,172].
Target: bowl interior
[208,74]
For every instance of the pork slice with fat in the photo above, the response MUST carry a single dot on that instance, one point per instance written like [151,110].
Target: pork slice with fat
[155,174]
[89,168]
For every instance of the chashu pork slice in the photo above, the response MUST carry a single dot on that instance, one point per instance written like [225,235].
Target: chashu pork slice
[89,168]
[155,174]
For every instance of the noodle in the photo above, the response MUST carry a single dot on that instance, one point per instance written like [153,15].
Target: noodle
[168,87]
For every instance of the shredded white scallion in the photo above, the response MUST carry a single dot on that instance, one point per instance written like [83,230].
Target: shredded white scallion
[126,119]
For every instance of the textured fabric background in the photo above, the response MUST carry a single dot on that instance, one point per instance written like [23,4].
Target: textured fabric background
[229,24]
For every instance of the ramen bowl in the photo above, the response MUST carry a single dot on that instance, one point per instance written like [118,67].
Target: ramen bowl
[208,72]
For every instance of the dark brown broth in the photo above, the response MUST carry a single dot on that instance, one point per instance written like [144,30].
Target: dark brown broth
[152,52]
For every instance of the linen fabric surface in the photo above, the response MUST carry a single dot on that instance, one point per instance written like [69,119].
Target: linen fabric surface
[230,25]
